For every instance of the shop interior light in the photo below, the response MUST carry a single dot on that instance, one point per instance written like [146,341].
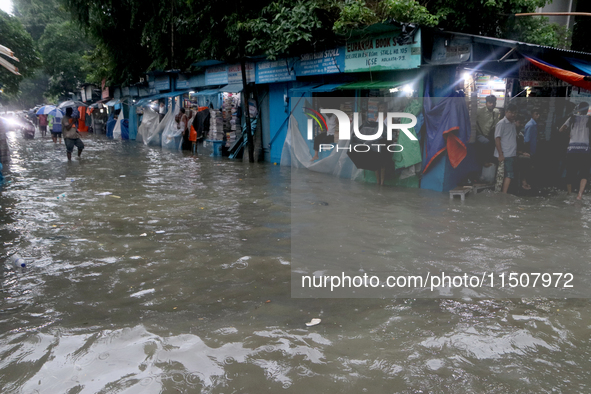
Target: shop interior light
[407,89]
[394,90]
[192,92]
[466,76]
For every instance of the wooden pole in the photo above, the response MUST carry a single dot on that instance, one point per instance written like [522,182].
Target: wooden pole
[554,14]
[245,99]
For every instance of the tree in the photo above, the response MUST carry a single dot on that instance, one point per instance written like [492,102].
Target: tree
[36,14]
[63,46]
[355,14]
[14,36]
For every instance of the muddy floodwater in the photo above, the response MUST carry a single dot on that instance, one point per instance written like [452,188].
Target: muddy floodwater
[153,271]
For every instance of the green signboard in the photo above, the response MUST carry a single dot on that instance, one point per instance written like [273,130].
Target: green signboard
[389,51]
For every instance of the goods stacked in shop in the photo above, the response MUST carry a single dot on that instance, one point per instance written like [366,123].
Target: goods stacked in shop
[372,110]
[216,127]
[486,85]
[231,121]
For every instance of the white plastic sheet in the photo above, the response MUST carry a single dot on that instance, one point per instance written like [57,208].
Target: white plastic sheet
[296,153]
[148,130]
[117,129]
[172,137]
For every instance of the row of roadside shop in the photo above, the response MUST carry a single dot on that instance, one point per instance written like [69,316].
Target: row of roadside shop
[419,67]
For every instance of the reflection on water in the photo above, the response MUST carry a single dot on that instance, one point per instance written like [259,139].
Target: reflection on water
[179,281]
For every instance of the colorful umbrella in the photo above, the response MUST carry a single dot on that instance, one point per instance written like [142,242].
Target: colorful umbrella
[58,113]
[45,110]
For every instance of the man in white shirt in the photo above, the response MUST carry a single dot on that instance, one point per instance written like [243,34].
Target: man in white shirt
[578,156]
[506,144]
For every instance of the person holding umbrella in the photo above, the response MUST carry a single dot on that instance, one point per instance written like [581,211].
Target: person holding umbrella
[54,122]
[71,135]
[42,114]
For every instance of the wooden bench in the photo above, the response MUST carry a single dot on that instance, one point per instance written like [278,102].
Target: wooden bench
[460,191]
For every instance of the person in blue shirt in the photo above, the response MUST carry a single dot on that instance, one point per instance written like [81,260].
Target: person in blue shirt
[530,133]
[528,150]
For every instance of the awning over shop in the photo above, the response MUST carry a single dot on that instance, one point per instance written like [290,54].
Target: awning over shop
[207,92]
[302,89]
[329,87]
[146,100]
[232,88]
[575,79]
[113,102]
[373,85]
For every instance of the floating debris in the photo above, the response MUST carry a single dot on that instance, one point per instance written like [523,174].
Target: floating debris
[313,322]
[143,235]
[103,194]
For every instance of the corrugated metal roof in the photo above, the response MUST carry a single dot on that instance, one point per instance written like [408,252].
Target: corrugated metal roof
[514,44]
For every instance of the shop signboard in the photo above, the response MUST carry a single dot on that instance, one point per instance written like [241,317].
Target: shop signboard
[89,89]
[133,91]
[450,50]
[182,81]
[197,81]
[275,71]
[530,75]
[331,61]
[185,81]
[162,82]
[216,75]
[391,51]
[235,73]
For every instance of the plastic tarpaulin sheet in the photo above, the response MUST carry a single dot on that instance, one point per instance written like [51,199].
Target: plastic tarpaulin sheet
[172,137]
[111,126]
[296,153]
[581,65]
[125,129]
[579,80]
[117,128]
[148,130]
[448,129]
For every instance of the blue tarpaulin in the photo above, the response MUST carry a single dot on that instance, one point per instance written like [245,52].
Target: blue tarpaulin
[111,125]
[125,129]
[448,128]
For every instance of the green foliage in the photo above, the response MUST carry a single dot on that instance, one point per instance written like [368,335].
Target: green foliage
[492,18]
[36,14]
[97,64]
[355,14]
[537,30]
[62,46]
[281,26]
[15,37]
[136,36]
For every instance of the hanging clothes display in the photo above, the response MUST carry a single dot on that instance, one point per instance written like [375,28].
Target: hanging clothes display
[82,127]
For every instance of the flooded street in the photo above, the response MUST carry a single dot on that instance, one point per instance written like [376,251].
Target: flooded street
[179,280]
